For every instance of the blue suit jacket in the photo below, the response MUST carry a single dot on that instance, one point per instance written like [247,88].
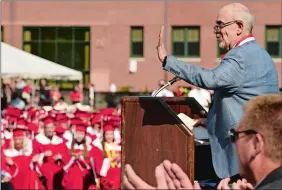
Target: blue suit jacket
[246,71]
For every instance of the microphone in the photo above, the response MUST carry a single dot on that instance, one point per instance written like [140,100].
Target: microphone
[169,83]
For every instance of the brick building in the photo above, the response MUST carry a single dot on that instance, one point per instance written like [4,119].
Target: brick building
[115,41]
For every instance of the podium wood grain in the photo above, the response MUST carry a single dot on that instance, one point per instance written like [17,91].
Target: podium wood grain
[151,133]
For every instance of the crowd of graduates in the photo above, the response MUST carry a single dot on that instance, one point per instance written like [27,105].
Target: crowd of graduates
[51,147]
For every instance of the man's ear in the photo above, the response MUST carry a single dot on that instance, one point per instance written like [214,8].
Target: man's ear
[240,27]
[258,145]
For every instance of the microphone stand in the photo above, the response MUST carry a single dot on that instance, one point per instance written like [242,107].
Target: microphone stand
[160,89]
[169,83]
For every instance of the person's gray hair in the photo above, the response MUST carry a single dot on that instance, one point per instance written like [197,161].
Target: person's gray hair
[246,17]
[241,12]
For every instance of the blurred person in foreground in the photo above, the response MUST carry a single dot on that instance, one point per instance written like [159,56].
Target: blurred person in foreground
[258,144]
[246,71]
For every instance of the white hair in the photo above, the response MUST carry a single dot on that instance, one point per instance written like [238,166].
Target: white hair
[246,17]
[241,12]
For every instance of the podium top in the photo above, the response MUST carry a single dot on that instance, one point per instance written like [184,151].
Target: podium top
[196,108]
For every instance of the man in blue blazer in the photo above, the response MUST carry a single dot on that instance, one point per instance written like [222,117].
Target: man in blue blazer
[246,71]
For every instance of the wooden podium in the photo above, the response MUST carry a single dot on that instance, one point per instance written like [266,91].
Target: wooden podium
[152,132]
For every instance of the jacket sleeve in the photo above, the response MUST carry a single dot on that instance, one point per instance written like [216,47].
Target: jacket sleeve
[228,75]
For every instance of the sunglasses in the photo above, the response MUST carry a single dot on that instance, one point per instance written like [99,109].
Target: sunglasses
[234,135]
[218,27]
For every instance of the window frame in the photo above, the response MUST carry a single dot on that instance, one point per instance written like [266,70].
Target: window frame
[39,41]
[131,42]
[186,28]
[280,39]
[2,33]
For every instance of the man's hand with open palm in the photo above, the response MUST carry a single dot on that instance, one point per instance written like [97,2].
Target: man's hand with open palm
[161,47]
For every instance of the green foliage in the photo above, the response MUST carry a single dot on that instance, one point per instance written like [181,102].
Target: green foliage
[125,89]
[184,90]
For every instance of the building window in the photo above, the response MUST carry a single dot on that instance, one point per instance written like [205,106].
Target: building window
[137,41]
[220,51]
[2,33]
[186,41]
[274,40]
[68,46]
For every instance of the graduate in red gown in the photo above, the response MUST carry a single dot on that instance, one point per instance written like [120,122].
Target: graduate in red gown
[32,130]
[60,131]
[112,161]
[96,126]
[8,129]
[6,173]
[79,169]
[4,125]
[53,154]
[63,122]
[20,161]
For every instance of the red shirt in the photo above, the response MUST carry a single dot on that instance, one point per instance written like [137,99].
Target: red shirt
[75,96]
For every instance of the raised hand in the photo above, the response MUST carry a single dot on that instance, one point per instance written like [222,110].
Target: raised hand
[57,157]
[161,47]
[35,158]
[48,153]
[9,161]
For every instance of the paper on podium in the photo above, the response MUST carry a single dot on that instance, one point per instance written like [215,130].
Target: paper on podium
[189,122]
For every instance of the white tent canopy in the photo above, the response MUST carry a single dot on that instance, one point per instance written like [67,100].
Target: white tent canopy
[18,63]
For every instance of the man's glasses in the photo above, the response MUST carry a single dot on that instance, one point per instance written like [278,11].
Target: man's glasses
[218,27]
[234,135]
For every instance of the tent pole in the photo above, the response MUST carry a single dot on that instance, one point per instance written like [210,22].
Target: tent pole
[33,90]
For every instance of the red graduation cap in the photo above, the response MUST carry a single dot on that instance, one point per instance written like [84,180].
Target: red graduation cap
[21,124]
[108,128]
[82,115]
[61,116]
[11,119]
[31,111]
[107,111]
[115,124]
[32,127]
[59,129]
[76,121]
[112,118]
[96,119]
[48,120]
[80,128]
[63,121]
[51,113]
[18,132]
[12,111]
